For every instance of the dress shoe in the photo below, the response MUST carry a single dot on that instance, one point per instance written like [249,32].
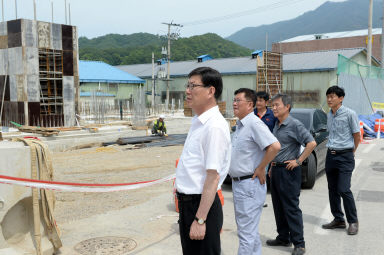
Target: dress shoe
[334,224]
[277,242]
[298,251]
[353,228]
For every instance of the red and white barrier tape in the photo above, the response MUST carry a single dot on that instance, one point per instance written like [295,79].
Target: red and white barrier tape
[80,187]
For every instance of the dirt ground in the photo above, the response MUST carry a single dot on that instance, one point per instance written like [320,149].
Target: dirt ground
[113,164]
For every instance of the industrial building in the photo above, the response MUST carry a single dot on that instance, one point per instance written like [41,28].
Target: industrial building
[331,41]
[38,73]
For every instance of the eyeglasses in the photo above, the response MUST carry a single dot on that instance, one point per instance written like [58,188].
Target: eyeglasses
[236,100]
[191,86]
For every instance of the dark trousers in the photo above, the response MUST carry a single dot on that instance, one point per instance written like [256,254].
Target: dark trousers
[211,242]
[285,191]
[338,168]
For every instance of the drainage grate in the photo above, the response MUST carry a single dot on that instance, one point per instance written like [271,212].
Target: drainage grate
[371,196]
[108,245]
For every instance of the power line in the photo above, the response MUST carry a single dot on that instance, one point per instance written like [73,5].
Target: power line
[243,13]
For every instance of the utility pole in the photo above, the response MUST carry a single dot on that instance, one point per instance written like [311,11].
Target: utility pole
[369,46]
[169,59]
[65,9]
[153,83]
[382,39]
[2,9]
[16,8]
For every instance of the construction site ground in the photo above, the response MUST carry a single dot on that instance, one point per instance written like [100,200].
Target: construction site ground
[147,218]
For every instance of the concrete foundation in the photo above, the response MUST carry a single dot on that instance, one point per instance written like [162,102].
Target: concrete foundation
[16,215]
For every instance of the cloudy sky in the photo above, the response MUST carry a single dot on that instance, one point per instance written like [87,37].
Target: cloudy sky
[224,17]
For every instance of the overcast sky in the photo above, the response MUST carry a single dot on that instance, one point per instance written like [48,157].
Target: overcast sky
[224,17]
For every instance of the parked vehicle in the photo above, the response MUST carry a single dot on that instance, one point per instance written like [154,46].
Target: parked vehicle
[315,120]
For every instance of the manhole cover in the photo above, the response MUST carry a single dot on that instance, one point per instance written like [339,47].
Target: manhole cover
[108,245]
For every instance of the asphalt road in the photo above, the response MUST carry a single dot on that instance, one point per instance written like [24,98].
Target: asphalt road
[153,224]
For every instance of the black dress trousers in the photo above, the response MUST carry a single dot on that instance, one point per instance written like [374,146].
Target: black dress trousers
[210,245]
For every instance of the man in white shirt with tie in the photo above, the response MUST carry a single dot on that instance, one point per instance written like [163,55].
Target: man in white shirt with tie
[203,166]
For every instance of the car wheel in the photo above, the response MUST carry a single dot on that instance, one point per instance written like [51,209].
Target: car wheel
[310,172]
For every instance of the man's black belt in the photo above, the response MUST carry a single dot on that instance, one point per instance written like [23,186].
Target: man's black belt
[187,197]
[242,177]
[339,151]
[280,164]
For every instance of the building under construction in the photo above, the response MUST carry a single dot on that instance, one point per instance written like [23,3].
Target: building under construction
[39,76]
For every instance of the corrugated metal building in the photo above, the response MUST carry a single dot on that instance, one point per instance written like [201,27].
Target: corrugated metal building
[307,75]
[103,79]
[329,41]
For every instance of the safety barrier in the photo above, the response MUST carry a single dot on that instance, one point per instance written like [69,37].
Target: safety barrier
[379,125]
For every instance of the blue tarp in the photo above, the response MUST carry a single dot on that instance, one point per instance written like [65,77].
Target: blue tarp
[369,120]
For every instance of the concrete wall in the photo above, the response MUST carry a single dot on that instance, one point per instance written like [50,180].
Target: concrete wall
[20,41]
[16,215]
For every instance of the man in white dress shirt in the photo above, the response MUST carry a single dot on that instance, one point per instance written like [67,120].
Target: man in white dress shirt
[203,166]
[253,148]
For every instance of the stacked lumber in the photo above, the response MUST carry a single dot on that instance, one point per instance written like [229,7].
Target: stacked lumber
[39,130]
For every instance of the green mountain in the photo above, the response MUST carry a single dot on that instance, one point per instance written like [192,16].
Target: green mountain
[137,48]
[327,18]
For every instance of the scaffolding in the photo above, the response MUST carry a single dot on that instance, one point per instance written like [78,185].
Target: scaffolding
[269,73]
[51,86]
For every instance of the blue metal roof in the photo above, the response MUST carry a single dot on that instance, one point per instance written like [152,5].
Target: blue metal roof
[204,58]
[97,71]
[98,94]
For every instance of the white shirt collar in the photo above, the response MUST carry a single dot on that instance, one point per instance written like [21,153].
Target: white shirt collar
[205,116]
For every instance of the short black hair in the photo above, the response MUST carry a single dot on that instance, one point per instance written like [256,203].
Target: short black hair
[262,94]
[209,77]
[338,91]
[249,94]
[287,99]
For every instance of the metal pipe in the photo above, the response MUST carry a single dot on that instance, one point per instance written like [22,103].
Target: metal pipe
[69,13]
[369,46]
[2,9]
[52,10]
[65,8]
[16,8]
[34,9]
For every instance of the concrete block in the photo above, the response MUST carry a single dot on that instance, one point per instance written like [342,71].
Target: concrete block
[44,35]
[13,88]
[29,33]
[15,60]
[3,42]
[33,88]
[21,81]
[31,60]
[67,63]
[69,100]
[15,40]
[75,39]
[75,63]
[3,28]
[56,37]
[14,26]
[16,217]
[4,62]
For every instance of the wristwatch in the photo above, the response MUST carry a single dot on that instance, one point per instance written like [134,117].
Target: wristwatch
[200,221]
[298,162]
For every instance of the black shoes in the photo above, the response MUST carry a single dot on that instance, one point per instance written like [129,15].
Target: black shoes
[353,228]
[334,224]
[298,251]
[277,242]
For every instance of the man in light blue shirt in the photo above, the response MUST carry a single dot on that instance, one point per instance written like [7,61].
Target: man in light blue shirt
[253,147]
[344,137]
